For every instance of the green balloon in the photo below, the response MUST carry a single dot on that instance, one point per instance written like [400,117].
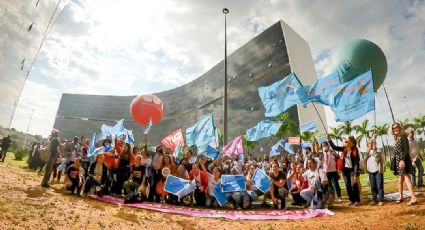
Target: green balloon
[358,56]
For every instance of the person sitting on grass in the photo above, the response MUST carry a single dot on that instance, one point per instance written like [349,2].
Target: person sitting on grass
[97,176]
[75,175]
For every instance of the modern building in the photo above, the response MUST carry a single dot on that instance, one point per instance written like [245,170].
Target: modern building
[23,27]
[265,59]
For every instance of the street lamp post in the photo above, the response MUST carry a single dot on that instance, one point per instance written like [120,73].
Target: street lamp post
[225,12]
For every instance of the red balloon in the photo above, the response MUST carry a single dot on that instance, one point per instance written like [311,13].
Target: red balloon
[143,107]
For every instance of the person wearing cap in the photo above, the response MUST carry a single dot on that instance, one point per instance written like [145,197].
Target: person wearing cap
[53,149]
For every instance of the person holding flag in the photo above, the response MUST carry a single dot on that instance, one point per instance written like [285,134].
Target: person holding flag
[213,179]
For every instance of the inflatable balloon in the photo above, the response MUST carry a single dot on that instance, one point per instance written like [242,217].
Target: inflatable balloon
[144,107]
[358,56]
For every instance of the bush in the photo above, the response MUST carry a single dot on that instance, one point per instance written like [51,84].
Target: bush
[20,154]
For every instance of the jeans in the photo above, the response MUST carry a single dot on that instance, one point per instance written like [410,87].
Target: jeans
[352,190]
[307,195]
[420,169]
[333,183]
[376,181]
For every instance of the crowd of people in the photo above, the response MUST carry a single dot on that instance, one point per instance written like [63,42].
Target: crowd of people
[309,178]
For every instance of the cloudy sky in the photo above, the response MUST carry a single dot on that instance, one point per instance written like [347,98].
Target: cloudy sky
[132,47]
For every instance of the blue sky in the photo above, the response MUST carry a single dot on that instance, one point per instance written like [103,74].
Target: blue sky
[134,47]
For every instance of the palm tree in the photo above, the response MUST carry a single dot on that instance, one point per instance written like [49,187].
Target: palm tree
[362,132]
[249,144]
[382,130]
[307,136]
[346,128]
[336,134]
[406,123]
[288,128]
[420,123]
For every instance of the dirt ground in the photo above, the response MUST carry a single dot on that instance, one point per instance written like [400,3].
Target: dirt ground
[26,205]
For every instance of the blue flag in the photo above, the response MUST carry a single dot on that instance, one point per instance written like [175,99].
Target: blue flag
[280,96]
[275,148]
[149,126]
[178,152]
[233,183]
[129,138]
[315,93]
[322,139]
[219,195]
[92,144]
[264,128]
[289,148]
[308,127]
[212,153]
[261,180]
[116,130]
[305,144]
[201,134]
[92,157]
[353,99]
[178,186]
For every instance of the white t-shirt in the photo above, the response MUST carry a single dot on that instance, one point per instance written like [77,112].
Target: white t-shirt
[146,161]
[347,160]
[313,177]
[371,164]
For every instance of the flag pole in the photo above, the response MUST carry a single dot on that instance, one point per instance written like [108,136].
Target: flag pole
[321,120]
[389,104]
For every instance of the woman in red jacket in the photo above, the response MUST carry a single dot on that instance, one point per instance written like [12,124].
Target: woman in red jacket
[201,180]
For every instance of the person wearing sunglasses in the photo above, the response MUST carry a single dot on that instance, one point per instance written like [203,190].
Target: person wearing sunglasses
[402,163]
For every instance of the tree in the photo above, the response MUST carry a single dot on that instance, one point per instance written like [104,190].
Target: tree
[380,131]
[336,134]
[288,128]
[307,136]
[406,123]
[346,128]
[420,123]
[362,132]
[248,144]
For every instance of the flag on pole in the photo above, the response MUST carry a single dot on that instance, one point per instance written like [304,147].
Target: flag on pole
[353,99]
[178,152]
[92,145]
[275,148]
[289,148]
[308,127]
[149,126]
[129,138]
[116,130]
[280,96]
[315,93]
[211,152]
[234,148]
[174,139]
[264,128]
[201,134]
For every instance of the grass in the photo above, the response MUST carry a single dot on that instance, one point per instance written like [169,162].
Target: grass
[10,159]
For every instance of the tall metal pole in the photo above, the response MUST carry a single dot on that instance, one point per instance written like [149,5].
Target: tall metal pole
[225,12]
[389,104]
[28,128]
[408,109]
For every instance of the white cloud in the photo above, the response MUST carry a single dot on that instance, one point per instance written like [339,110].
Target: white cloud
[96,43]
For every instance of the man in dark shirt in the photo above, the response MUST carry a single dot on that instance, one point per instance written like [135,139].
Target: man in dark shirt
[278,189]
[54,144]
[5,144]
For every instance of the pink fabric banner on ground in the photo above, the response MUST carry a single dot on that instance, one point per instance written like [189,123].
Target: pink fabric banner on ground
[222,213]
[234,148]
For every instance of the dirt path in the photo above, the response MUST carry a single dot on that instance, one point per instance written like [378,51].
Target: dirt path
[25,205]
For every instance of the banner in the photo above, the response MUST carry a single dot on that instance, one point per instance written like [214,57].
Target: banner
[219,195]
[201,134]
[261,180]
[353,99]
[264,128]
[234,147]
[315,93]
[294,140]
[173,139]
[280,96]
[178,186]
[233,183]
[149,126]
[116,130]
[212,153]
[308,127]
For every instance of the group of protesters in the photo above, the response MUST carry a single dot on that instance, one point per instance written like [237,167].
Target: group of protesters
[310,176]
